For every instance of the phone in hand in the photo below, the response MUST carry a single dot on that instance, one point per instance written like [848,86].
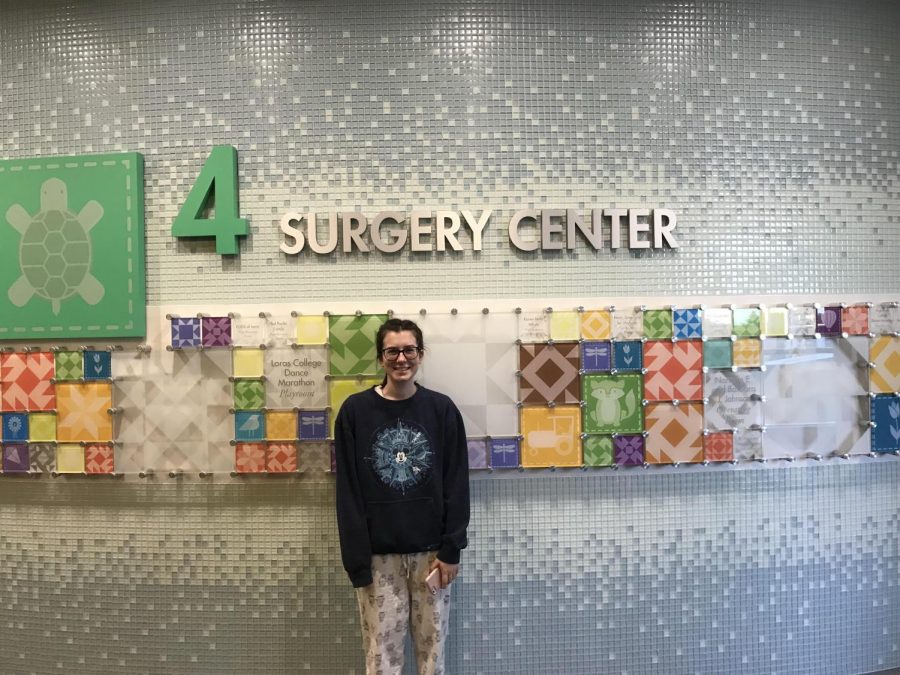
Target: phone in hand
[433,580]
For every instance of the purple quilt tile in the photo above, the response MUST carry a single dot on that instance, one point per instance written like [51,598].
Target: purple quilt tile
[312,425]
[477,454]
[185,333]
[828,321]
[216,331]
[15,458]
[629,450]
[595,356]
[504,453]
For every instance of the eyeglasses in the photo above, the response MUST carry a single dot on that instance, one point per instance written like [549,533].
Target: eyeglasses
[392,353]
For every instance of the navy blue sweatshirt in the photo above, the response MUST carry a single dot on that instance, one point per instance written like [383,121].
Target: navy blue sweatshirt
[402,478]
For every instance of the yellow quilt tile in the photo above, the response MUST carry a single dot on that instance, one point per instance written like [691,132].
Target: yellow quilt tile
[551,436]
[83,411]
[248,362]
[884,378]
[340,390]
[747,353]
[41,427]
[775,321]
[281,425]
[596,324]
[312,330]
[69,458]
[564,325]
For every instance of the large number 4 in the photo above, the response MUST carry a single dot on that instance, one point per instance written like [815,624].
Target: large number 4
[216,185]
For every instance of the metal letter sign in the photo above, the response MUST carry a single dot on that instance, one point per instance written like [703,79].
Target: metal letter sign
[72,247]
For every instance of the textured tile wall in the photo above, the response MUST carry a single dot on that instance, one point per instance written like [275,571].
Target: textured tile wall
[770,128]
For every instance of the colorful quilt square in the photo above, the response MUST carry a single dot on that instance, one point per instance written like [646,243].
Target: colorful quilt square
[658,324]
[250,457]
[628,356]
[674,371]
[249,425]
[613,404]
[628,324]
[216,331]
[352,343]
[746,321]
[99,458]
[185,333]
[549,372]
[855,320]
[551,436]
[69,458]
[504,453]
[597,450]
[248,362]
[478,451]
[718,446]
[828,320]
[595,356]
[42,457]
[281,458]
[687,324]
[249,394]
[338,392]
[281,425]
[83,412]
[717,322]
[69,366]
[312,330]
[747,353]
[775,321]
[886,415]
[596,324]
[15,458]
[15,427]
[884,378]
[42,427]
[717,354]
[97,365]
[313,425]
[801,320]
[629,449]
[674,433]
[564,326]
[27,381]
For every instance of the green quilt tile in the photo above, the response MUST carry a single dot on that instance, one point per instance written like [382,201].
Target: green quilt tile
[613,404]
[598,450]
[746,322]
[717,354]
[351,340]
[249,394]
[658,324]
[69,366]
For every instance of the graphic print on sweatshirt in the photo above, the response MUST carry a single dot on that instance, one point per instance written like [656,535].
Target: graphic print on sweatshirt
[401,455]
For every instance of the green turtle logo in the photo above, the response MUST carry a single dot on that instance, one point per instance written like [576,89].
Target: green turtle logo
[55,250]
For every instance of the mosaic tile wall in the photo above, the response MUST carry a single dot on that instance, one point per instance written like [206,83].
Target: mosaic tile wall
[782,571]
[770,128]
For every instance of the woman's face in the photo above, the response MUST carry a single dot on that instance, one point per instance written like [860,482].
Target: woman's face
[402,369]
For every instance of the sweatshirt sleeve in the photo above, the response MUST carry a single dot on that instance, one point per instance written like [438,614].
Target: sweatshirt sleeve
[456,487]
[356,552]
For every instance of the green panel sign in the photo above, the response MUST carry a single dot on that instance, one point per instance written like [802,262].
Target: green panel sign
[72,247]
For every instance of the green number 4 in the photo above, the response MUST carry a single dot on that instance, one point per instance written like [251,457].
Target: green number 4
[215,186]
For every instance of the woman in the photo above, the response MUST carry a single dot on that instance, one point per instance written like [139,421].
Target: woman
[402,505]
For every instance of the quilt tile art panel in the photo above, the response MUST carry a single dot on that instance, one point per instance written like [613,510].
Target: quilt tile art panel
[747,353]
[674,370]
[215,331]
[855,320]
[628,323]
[249,425]
[597,450]
[69,458]
[99,458]
[828,320]
[351,341]
[42,457]
[250,457]
[97,365]
[281,458]
[718,446]
[596,324]
[658,324]
[15,427]
[885,411]
[478,453]
[629,449]
[504,453]
[248,362]
[186,333]
[312,425]
[69,366]
[533,326]
[41,427]
[733,399]
[296,377]
[613,404]
[674,433]
[687,324]
[801,320]
[26,381]
[717,322]
[775,321]
[884,377]
[312,330]
[83,411]
[628,356]
[596,356]
[746,322]
[717,354]
[281,425]
[249,394]
[565,326]
[551,436]
[15,458]
[549,373]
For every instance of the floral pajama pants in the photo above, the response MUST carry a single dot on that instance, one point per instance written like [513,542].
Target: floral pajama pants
[399,601]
